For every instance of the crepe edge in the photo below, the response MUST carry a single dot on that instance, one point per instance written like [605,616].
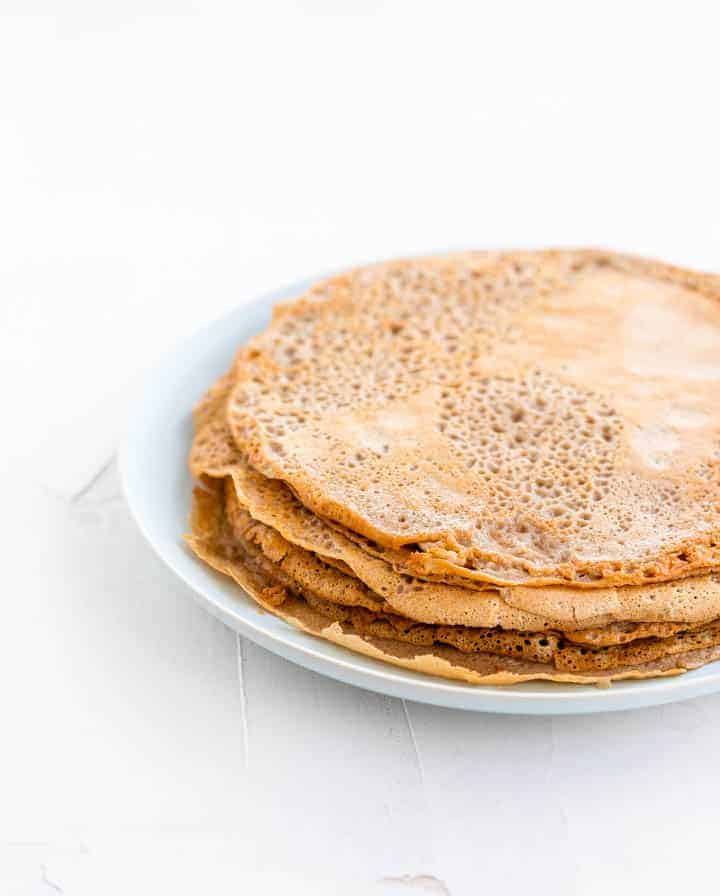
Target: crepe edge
[206,521]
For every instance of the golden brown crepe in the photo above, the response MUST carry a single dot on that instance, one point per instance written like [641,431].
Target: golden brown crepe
[495,467]
[528,417]
[495,661]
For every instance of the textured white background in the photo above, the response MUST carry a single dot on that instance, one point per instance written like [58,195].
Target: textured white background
[162,163]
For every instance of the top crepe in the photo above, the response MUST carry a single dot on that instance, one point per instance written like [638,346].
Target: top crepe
[538,416]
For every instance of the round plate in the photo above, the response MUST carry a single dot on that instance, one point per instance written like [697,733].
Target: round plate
[153,464]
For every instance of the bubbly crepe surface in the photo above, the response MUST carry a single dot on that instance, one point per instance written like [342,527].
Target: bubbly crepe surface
[532,417]
[492,467]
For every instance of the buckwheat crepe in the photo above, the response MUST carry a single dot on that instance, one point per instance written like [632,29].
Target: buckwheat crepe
[516,389]
[528,416]
[489,656]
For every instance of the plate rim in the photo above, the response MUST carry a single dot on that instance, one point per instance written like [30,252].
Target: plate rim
[315,653]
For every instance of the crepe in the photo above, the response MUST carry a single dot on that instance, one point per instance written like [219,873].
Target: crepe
[477,389]
[213,540]
[442,600]
[528,418]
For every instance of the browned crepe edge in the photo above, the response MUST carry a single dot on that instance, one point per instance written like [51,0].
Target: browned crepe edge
[300,570]
[445,662]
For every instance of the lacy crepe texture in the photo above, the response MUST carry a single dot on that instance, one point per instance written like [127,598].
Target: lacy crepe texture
[499,402]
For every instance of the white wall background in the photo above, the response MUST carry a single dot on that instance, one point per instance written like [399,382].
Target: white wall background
[161,163]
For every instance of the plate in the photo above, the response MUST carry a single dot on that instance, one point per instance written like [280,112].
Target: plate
[157,484]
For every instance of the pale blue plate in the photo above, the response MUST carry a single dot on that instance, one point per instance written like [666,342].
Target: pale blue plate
[157,486]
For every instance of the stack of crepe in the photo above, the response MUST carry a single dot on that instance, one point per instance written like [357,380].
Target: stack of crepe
[492,467]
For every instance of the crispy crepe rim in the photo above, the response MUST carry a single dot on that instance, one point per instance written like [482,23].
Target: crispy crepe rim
[207,526]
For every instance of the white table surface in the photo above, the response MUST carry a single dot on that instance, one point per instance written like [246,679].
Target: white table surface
[157,170]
